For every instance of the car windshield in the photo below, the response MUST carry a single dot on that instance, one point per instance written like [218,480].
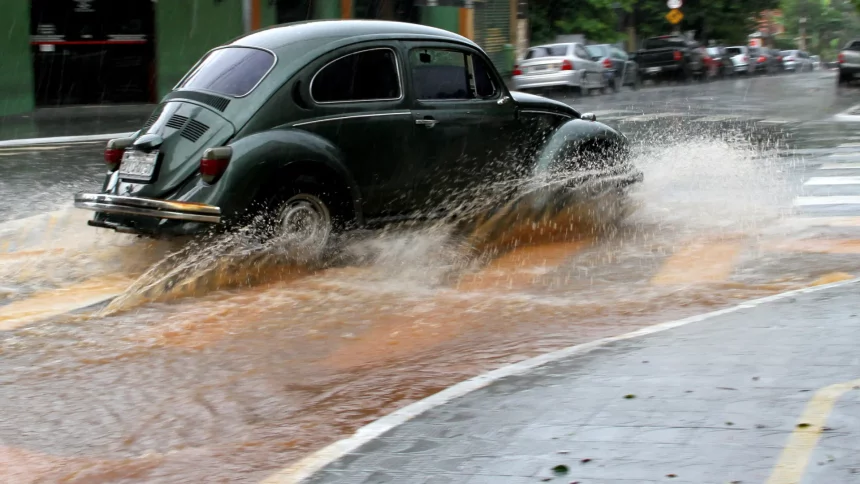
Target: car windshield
[232,71]
[733,51]
[662,43]
[547,51]
[596,50]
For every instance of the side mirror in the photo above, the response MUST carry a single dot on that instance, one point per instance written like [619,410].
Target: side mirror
[589,117]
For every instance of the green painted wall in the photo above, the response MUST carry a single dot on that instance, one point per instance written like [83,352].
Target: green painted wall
[186,29]
[447,18]
[16,65]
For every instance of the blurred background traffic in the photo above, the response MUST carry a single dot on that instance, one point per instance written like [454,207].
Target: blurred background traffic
[86,52]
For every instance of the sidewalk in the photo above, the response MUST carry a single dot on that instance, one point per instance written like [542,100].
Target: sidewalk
[767,392]
[74,121]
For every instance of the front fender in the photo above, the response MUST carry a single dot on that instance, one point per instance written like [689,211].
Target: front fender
[572,137]
[259,159]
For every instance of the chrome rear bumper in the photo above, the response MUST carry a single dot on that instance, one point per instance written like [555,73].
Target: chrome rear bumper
[148,207]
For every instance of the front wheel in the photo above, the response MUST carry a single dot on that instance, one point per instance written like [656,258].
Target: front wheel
[843,80]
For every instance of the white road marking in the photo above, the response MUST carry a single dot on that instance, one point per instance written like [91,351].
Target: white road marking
[833,180]
[62,139]
[834,200]
[850,145]
[809,222]
[839,166]
[775,121]
[308,466]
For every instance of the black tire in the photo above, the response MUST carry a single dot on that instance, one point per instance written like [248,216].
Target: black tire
[684,75]
[843,80]
[637,82]
[615,84]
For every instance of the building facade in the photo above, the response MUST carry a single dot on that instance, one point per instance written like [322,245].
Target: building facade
[78,52]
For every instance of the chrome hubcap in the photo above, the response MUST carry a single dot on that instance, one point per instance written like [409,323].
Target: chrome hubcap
[304,220]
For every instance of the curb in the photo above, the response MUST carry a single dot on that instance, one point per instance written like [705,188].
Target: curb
[61,139]
[310,465]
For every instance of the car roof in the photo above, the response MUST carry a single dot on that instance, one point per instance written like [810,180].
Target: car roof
[279,37]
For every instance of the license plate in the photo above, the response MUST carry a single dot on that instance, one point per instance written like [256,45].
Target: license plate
[539,68]
[137,165]
[652,69]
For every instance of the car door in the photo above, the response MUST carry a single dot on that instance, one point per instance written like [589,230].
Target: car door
[464,120]
[356,97]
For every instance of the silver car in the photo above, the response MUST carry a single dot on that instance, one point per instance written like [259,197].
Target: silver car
[559,65]
[796,61]
[740,56]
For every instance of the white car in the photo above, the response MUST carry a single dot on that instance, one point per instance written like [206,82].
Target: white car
[559,65]
[740,56]
[796,61]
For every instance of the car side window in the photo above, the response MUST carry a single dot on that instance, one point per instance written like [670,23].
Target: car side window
[369,75]
[580,52]
[485,82]
[439,74]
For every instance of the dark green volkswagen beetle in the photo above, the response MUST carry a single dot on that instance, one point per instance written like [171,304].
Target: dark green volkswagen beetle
[327,125]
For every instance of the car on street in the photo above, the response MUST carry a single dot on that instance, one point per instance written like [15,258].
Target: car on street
[816,62]
[565,65]
[848,61]
[318,127]
[670,57]
[797,61]
[762,61]
[620,70]
[720,61]
[741,59]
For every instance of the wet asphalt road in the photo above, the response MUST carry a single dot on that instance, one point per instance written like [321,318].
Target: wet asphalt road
[236,367]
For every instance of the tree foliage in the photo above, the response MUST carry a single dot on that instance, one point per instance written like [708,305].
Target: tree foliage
[606,20]
[828,23]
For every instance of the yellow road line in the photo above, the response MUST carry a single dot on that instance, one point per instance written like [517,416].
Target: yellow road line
[48,304]
[700,262]
[521,266]
[795,456]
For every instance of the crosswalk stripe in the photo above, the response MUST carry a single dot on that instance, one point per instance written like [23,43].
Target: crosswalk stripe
[834,200]
[839,166]
[809,222]
[833,180]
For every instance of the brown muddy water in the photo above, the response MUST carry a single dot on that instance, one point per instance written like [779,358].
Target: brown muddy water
[220,362]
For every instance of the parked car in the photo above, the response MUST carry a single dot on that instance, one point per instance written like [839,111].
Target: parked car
[670,56]
[849,62]
[776,55]
[762,61]
[721,61]
[816,62]
[323,126]
[619,69]
[566,65]
[796,61]
[741,59]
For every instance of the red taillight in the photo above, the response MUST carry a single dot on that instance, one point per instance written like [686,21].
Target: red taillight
[567,65]
[745,59]
[678,55]
[607,63]
[114,150]
[841,58]
[518,71]
[707,60]
[779,58]
[214,163]
[761,59]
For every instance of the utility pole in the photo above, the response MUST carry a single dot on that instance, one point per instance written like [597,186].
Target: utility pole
[803,25]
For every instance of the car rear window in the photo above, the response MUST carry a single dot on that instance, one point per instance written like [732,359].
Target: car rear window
[596,50]
[662,43]
[232,71]
[733,51]
[853,45]
[547,51]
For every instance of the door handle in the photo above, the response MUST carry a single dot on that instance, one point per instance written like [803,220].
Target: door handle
[428,122]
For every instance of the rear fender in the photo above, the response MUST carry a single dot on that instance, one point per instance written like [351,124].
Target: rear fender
[263,159]
[573,138]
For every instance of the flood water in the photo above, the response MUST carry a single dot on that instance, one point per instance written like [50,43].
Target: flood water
[217,362]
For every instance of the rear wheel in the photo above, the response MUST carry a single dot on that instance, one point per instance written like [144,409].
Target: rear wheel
[843,80]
